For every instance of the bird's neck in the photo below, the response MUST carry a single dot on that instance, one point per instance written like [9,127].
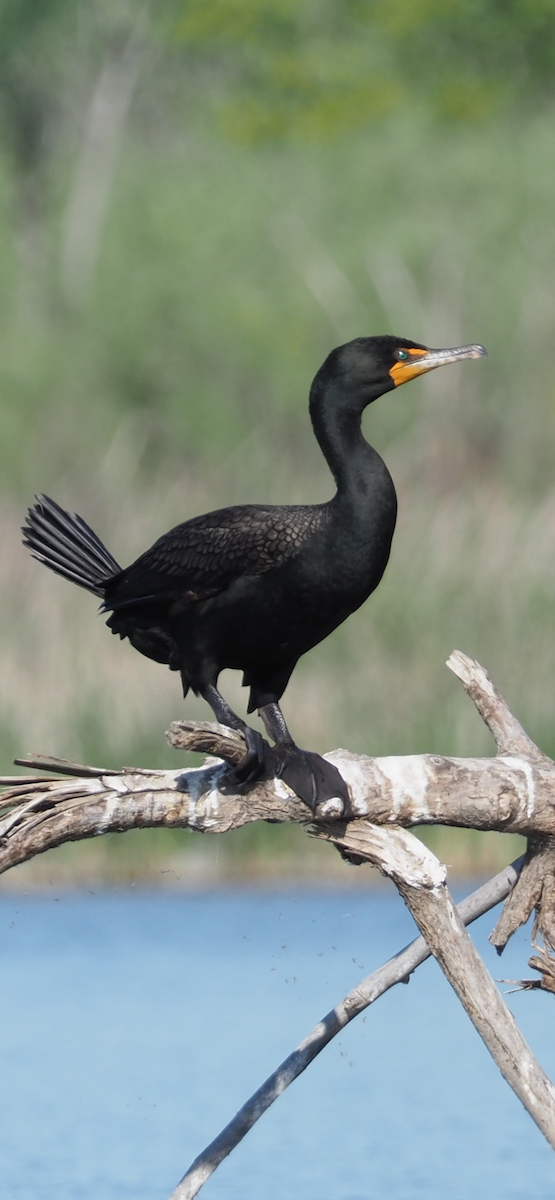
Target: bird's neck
[357,468]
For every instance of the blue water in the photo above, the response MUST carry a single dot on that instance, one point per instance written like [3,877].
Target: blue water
[134,1025]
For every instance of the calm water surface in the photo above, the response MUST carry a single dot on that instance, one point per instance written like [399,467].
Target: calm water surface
[134,1025]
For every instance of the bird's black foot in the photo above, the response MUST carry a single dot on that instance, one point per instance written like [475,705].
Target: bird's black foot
[255,761]
[313,779]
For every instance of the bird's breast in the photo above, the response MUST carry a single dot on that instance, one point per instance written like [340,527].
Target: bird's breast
[282,612]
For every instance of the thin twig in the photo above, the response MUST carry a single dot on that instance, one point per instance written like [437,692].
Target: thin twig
[396,970]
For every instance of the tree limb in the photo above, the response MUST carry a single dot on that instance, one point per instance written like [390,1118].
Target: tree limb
[426,894]
[508,734]
[512,792]
[397,970]
[535,888]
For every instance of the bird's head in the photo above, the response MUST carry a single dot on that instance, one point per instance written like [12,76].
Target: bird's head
[367,367]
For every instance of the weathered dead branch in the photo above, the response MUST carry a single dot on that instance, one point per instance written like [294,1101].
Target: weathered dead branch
[424,889]
[536,886]
[508,734]
[544,962]
[397,970]
[535,891]
[512,792]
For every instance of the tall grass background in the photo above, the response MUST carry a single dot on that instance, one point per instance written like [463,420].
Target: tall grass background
[167,373]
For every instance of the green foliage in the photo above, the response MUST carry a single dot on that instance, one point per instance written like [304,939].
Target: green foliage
[172,375]
[315,69]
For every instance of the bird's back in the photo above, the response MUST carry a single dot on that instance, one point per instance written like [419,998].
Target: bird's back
[201,557]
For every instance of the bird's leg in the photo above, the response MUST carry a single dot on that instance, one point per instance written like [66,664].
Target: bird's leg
[274,724]
[312,778]
[254,761]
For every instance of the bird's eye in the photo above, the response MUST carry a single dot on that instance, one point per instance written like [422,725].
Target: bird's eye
[401,355]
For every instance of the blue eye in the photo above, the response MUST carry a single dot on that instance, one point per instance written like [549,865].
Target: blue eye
[401,355]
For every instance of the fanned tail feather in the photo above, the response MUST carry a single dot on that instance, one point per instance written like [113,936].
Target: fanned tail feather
[66,544]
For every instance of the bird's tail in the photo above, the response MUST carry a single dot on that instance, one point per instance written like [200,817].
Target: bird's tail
[66,544]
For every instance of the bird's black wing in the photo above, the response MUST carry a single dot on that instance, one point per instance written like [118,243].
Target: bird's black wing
[201,557]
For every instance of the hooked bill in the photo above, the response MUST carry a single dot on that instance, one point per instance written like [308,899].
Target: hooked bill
[420,361]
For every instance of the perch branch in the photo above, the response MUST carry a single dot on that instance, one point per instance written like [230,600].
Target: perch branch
[397,970]
[510,793]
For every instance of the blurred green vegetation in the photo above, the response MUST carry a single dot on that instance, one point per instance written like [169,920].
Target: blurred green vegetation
[317,69]
[197,202]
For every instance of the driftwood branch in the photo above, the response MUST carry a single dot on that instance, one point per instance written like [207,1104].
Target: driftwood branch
[511,792]
[425,892]
[397,970]
[543,962]
[420,879]
[508,734]
[536,886]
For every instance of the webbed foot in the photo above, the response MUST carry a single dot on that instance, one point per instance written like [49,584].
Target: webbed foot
[313,779]
[255,761]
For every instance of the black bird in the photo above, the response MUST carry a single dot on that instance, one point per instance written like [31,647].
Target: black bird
[254,587]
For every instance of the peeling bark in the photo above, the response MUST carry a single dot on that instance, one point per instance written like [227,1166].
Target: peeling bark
[512,792]
[397,970]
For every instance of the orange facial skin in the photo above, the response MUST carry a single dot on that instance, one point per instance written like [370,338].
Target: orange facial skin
[401,372]
[420,361]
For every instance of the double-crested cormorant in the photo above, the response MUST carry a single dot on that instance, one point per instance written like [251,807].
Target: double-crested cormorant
[253,587]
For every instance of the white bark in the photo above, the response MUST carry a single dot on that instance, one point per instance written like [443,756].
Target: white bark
[396,970]
[511,792]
